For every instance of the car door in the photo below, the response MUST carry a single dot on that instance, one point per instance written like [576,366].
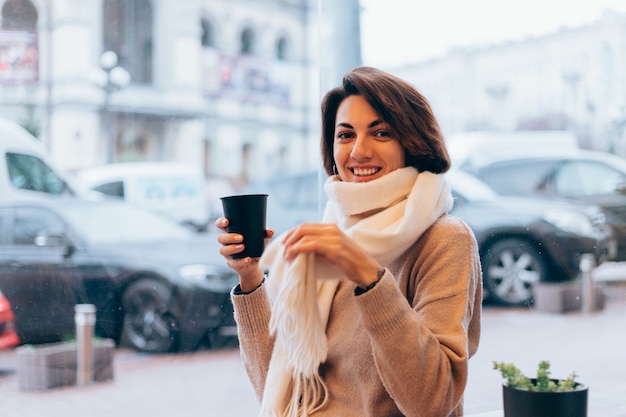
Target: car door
[36,278]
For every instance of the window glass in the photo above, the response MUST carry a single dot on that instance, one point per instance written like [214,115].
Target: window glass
[29,223]
[28,172]
[113,189]
[584,178]
[128,27]
[234,88]
[517,177]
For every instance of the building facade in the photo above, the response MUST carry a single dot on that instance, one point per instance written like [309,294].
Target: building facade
[574,80]
[233,86]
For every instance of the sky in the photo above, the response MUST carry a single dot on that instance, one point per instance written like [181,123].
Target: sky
[395,32]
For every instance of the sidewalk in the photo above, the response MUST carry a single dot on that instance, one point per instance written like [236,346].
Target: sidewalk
[214,384]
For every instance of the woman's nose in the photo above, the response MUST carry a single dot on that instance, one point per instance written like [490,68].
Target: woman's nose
[361,149]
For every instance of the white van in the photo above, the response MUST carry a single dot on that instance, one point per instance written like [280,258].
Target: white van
[174,189]
[25,171]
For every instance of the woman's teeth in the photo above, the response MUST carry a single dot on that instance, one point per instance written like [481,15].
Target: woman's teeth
[364,171]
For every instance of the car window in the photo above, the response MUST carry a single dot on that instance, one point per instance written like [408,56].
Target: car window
[583,178]
[156,189]
[28,172]
[113,189]
[29,222]
[517,177]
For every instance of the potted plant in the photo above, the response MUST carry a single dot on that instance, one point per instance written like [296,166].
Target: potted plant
[541,396]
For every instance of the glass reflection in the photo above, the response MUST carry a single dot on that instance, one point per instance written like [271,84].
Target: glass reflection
[233,89]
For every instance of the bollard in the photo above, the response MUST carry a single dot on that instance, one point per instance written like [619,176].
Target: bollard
[587,263]
[85,319]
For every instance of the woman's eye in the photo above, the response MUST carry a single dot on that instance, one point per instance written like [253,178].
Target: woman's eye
[344,135]
[383,134]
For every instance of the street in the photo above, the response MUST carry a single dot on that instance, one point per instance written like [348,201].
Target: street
[214,383]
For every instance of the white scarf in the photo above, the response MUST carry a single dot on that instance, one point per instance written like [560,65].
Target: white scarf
[385,217]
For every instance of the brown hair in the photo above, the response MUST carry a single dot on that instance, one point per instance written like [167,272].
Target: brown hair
[407,112]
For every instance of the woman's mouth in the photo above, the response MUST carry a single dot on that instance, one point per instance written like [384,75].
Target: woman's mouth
[364,172]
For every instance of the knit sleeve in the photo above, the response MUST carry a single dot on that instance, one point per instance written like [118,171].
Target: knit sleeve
[252,315]
[424,323]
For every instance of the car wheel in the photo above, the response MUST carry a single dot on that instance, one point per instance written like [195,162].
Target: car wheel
[510,269]
[147,324]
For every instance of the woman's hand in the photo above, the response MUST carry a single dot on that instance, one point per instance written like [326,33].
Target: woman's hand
[248,269]
[327,240]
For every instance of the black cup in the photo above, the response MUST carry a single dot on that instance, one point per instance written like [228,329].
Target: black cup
[246,216]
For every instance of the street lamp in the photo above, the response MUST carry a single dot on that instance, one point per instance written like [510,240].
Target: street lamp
[110,77]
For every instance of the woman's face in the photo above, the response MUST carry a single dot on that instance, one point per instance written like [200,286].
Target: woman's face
[363,147]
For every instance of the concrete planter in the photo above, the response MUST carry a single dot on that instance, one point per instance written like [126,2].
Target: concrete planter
[41,367]
[564,297]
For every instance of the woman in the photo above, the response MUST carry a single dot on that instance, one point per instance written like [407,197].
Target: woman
[395,280]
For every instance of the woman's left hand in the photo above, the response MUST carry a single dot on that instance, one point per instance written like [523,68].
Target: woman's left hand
[327,240]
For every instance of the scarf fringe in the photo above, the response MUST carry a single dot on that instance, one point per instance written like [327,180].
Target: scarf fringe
[298,325]
[309,395]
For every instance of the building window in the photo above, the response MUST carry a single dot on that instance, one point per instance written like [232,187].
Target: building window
[247,41]
[128,32]
[208,33]
[19,15]
[282,46]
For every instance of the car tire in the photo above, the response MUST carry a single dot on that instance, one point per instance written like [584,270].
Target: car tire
[510,269]
[147,325]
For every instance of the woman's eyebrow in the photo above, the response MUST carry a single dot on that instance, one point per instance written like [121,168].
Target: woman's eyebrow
[349,126]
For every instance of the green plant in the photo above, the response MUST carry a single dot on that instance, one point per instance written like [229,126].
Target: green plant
[516,379]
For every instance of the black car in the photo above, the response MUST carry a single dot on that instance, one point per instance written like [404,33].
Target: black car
[522,241]
[574,174]
[156,285]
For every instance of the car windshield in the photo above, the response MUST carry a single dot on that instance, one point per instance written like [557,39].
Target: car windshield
[119,223]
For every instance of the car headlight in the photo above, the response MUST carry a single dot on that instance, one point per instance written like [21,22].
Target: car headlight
[572,221]
[209,277]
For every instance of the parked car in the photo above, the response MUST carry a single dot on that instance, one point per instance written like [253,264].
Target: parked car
[573,174]
[8,332]
[25,170]
[174,189]
[157,286]
[522,241]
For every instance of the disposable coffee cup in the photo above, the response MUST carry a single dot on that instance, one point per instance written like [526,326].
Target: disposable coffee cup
[246,216]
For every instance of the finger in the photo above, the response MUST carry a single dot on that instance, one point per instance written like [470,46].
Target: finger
[221,223]
[228,250]
[229,238]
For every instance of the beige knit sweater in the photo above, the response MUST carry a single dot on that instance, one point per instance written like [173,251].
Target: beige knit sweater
[386,356]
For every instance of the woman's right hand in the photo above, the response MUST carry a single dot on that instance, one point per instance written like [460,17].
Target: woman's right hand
[249,271]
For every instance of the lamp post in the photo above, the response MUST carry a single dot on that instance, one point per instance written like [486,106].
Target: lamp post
[110,78]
